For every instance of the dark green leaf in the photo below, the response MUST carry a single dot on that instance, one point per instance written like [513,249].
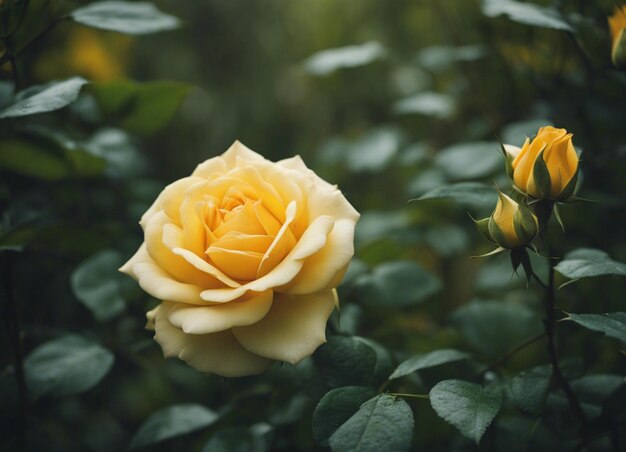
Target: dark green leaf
[142,108]
[438,105]
[589,262]
[171,422]
[474,194]
[50,97]
[439,58]
[397,284]
[330,60]
[95,284]
[382,423]
[526,13]
[530,389]
[69,365]
[426,360]
[494,327]
[374,150]
[345,361]
[470,160]
[32,158]
[384,361]
[612,324]
[240,439]
[467,406]
[335,408]
[137,18]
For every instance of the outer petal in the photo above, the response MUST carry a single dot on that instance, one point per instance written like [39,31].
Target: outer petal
[218,353]
[296,163]
[212,319]
[157,282]
[293,329]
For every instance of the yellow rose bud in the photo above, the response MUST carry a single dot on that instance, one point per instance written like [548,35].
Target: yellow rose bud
[245,255]
[512,225]
[617,25]
[547,166]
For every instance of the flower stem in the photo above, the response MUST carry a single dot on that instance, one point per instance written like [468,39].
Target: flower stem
[414,396]
[557,374]
[13,329]
[511,352]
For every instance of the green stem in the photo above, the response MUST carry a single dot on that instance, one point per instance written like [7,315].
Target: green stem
[413,396]
[13,329]
[511,352]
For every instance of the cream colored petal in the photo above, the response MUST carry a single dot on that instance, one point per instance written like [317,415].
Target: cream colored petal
[210,167]
[293,329]
[296,163]
[157,282]
[241,265]
[322,201]
[512,151]
[323,267]
[238,153]
[212,319]
[311,242]
[217,353]
[282,244]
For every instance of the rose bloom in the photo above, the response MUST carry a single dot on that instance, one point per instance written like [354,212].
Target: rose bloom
[245,255]
[617,25]
[547,166]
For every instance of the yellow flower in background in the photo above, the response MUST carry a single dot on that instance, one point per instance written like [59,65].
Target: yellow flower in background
[546,166]
[94,54]
[245,255]
[617,25]
[512,224]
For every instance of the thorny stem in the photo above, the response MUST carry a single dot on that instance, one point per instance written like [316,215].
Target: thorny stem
[13,329]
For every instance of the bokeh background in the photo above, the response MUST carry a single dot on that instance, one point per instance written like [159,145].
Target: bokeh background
[387,99]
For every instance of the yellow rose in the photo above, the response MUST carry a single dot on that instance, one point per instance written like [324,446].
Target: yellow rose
[547,166]
[511,225]
[617,24]
[245,255]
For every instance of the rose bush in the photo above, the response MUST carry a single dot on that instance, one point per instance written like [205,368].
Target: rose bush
[245,255]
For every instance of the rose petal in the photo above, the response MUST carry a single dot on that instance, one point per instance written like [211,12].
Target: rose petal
[296,163]
[212,319]
[241,265]
[293,329]
[218,353]
[282,244]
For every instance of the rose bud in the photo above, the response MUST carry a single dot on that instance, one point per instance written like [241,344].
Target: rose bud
[617,24]
[244,255]
[545,167]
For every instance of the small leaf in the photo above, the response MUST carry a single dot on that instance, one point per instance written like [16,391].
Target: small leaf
[374,150]
[50,97]
[396,284]
[427,360]
[138,18]
[330,60]
[469,160]
[335,408]
[587,263]
[32,158]
[439,58]
[526,13]
[255,438]
[612,324]
[530,389]
[345,361]
[65,366]
[382,423]
[171,422]
[475,194]
[467,406]
[95,284]
[440,106]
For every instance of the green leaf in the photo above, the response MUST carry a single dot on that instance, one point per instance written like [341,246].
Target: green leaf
[374,150]
[382,423]
[529,389]
[469,160]
[42,99]
[396,284]
[440,58]
[116,147]
[335,408]
[32,158]
[427,360]
[346,361]
[587,263]
[95,283]
[142,108]
[65,366]
[441,106]
[526,13]
[475,194]
[172,421]
[330,60]
[384,361]
[467,406]
[255,438]
[139,18]
[612,324]
[494,327]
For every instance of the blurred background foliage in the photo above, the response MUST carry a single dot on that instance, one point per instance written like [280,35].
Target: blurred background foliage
[391,100]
